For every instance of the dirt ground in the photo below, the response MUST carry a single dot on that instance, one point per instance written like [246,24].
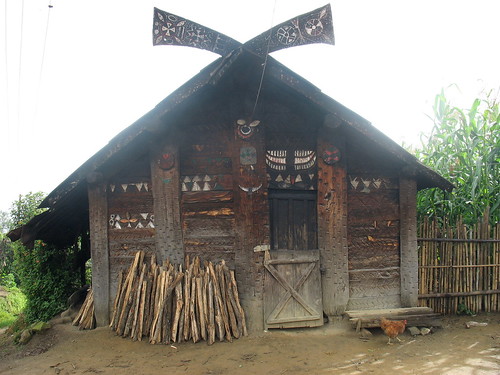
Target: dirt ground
[332,349]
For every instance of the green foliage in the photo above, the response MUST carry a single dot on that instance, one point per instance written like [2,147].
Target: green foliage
[88,272]
[11,306]
[464,147]
[6,319]
[45,274]
[5,222]
[25,208]
[7,280]
[8,275]
[22,211]
[464,310]
[47,279]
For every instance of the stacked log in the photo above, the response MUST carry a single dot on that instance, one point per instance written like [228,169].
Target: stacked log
[166,304]
[85,319]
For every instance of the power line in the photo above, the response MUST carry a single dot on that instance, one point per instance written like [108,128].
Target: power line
[265,63]
[7,75]
[43,60]
[20,73]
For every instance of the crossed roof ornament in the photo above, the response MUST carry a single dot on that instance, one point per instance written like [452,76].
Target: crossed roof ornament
[312,27]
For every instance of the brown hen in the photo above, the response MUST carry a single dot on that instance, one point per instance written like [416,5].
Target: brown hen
[392,328]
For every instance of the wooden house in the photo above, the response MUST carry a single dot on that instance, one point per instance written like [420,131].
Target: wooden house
[312,206]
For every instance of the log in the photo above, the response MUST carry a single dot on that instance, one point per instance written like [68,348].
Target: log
[233,324]
[152,298]
[151,301]
[219,295]
[201,309]
[237,298]
[192,312]
[138,293]
[85,318]
[232,300]
[127,304]
[180,334]
[210,312]
[154,336]
[179,303]
[147,307]
[187,302]
[117,298]
[127,301]
[176,279]
[138,335]
[78,316]
[217,303]
[166,319]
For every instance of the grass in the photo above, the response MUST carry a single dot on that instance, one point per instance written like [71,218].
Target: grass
[11,306]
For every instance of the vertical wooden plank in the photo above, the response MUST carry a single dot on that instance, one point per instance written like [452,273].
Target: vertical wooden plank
[332,227]
[98,224]
[408,241]
[166,203]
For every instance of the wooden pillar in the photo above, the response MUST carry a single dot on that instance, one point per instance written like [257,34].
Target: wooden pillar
[408,241]
[166,202]
[332,227]
[252,227]
[98,224]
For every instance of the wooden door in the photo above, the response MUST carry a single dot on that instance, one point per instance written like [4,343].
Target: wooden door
[292,289]
[293,220]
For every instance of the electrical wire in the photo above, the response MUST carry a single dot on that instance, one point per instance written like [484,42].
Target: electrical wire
[265,62]
[20,73]
[43,59]
[7,76]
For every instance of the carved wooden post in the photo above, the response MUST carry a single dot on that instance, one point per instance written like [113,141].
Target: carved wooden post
[166,202]
[98,224]
[332,227]
[408,241]
[252,226]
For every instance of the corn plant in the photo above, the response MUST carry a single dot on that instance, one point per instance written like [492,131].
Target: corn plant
[464,147]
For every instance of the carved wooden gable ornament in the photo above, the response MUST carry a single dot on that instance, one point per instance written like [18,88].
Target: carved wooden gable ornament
[313,27]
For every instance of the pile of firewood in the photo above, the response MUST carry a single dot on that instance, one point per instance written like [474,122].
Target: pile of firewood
[85,318]
[166,304]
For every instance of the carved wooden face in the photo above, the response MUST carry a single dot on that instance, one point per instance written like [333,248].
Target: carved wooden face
[331,155]
[244,129]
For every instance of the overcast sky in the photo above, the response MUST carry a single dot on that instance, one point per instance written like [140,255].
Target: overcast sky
[68,88]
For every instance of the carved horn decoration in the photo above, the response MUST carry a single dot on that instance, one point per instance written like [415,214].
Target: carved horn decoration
[312,27]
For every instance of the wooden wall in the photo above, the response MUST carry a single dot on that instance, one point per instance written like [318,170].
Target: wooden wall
[373,233]
[213,205]
[373,226]
[131,218]
[219,218]
[207,199]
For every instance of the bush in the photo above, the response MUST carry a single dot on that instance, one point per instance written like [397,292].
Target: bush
[7,280]
[47,279]
[11,306]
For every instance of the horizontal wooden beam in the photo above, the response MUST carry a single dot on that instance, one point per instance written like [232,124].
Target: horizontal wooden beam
[459,294]
[461,240]
[462,266]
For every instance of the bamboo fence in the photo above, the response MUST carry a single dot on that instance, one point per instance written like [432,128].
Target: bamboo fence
[459,267]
